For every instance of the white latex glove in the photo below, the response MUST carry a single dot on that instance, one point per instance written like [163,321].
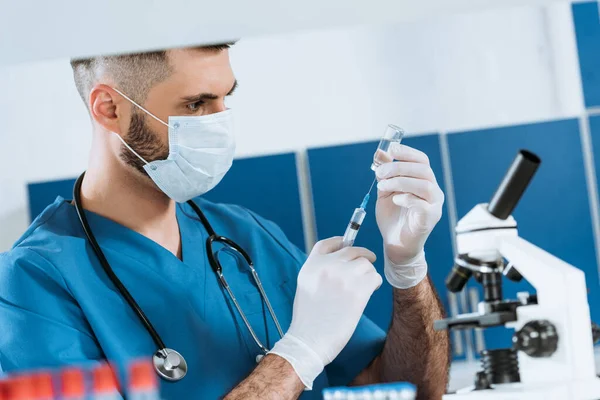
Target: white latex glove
[409,205]
[334,287]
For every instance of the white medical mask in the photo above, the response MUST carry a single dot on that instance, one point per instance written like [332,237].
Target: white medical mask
[201,150]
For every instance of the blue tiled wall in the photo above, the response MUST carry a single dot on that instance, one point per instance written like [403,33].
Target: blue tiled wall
[554,212]
[42,194]
[587,28]
[595,132]
[269,186]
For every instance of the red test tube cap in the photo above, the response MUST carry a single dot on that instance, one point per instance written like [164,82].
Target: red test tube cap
[104,379]
[142,376]
[20,387]
[4,390]
[72,383]
[43,386]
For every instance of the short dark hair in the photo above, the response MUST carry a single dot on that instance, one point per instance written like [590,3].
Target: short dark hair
[135,74]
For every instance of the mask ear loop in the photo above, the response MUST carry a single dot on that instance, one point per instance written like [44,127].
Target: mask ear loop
[130,149]
[144,110]
[141,108]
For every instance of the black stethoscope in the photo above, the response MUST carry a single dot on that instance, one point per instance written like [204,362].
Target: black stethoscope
[168,363]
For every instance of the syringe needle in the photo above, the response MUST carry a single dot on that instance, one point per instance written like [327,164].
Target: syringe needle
[372,184]
[365,201]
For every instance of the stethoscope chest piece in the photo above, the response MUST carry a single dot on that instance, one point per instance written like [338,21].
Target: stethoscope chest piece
[169,364]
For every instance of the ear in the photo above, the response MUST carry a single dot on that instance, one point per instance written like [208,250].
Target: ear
[109,109]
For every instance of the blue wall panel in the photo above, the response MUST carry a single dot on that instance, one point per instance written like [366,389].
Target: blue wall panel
[269,186]
[42,194]
[266,185]
[595,132]
[340,177]
[554,212]
[587,29]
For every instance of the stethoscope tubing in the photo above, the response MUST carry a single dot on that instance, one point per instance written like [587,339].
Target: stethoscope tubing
[108,270]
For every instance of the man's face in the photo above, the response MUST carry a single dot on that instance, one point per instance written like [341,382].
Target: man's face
[199,84]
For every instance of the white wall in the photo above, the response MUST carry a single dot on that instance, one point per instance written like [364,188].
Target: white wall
[33,30]
[318,88]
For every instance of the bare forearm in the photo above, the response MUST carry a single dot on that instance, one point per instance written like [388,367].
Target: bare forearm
[273,379]
[413,351]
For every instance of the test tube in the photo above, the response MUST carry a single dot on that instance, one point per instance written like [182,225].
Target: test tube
[44,388]
[143,384]
[105,385]
[20,387]
[392,134]
[72,384]
[379,394]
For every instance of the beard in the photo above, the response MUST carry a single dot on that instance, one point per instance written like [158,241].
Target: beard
[144,141]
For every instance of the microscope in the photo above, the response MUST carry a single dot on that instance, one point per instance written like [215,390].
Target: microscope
[552,353]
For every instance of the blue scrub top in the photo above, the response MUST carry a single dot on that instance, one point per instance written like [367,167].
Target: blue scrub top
[58,307]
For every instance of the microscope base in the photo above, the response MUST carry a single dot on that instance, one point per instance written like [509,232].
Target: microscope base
[577,390]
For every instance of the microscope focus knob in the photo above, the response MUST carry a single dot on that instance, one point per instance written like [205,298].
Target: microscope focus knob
[536,339]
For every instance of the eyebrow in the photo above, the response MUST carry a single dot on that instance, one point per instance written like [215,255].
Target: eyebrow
[208,96]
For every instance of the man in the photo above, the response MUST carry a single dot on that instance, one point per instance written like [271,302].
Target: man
[162,136]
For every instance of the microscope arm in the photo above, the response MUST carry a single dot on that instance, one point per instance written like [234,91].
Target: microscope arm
[561,299]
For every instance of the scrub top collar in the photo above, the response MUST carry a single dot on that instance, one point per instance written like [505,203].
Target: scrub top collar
[111,236]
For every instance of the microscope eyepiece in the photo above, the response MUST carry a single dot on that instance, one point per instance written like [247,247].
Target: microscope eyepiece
[513,185]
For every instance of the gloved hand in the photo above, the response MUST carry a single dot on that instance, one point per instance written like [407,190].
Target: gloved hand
[409,204]
[334,287]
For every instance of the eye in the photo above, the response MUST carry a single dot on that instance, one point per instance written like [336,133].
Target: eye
[195,106]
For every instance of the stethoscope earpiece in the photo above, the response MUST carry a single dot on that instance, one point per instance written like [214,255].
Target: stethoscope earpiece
[169,364]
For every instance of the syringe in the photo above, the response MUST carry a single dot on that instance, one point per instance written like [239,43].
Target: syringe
[356,221]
